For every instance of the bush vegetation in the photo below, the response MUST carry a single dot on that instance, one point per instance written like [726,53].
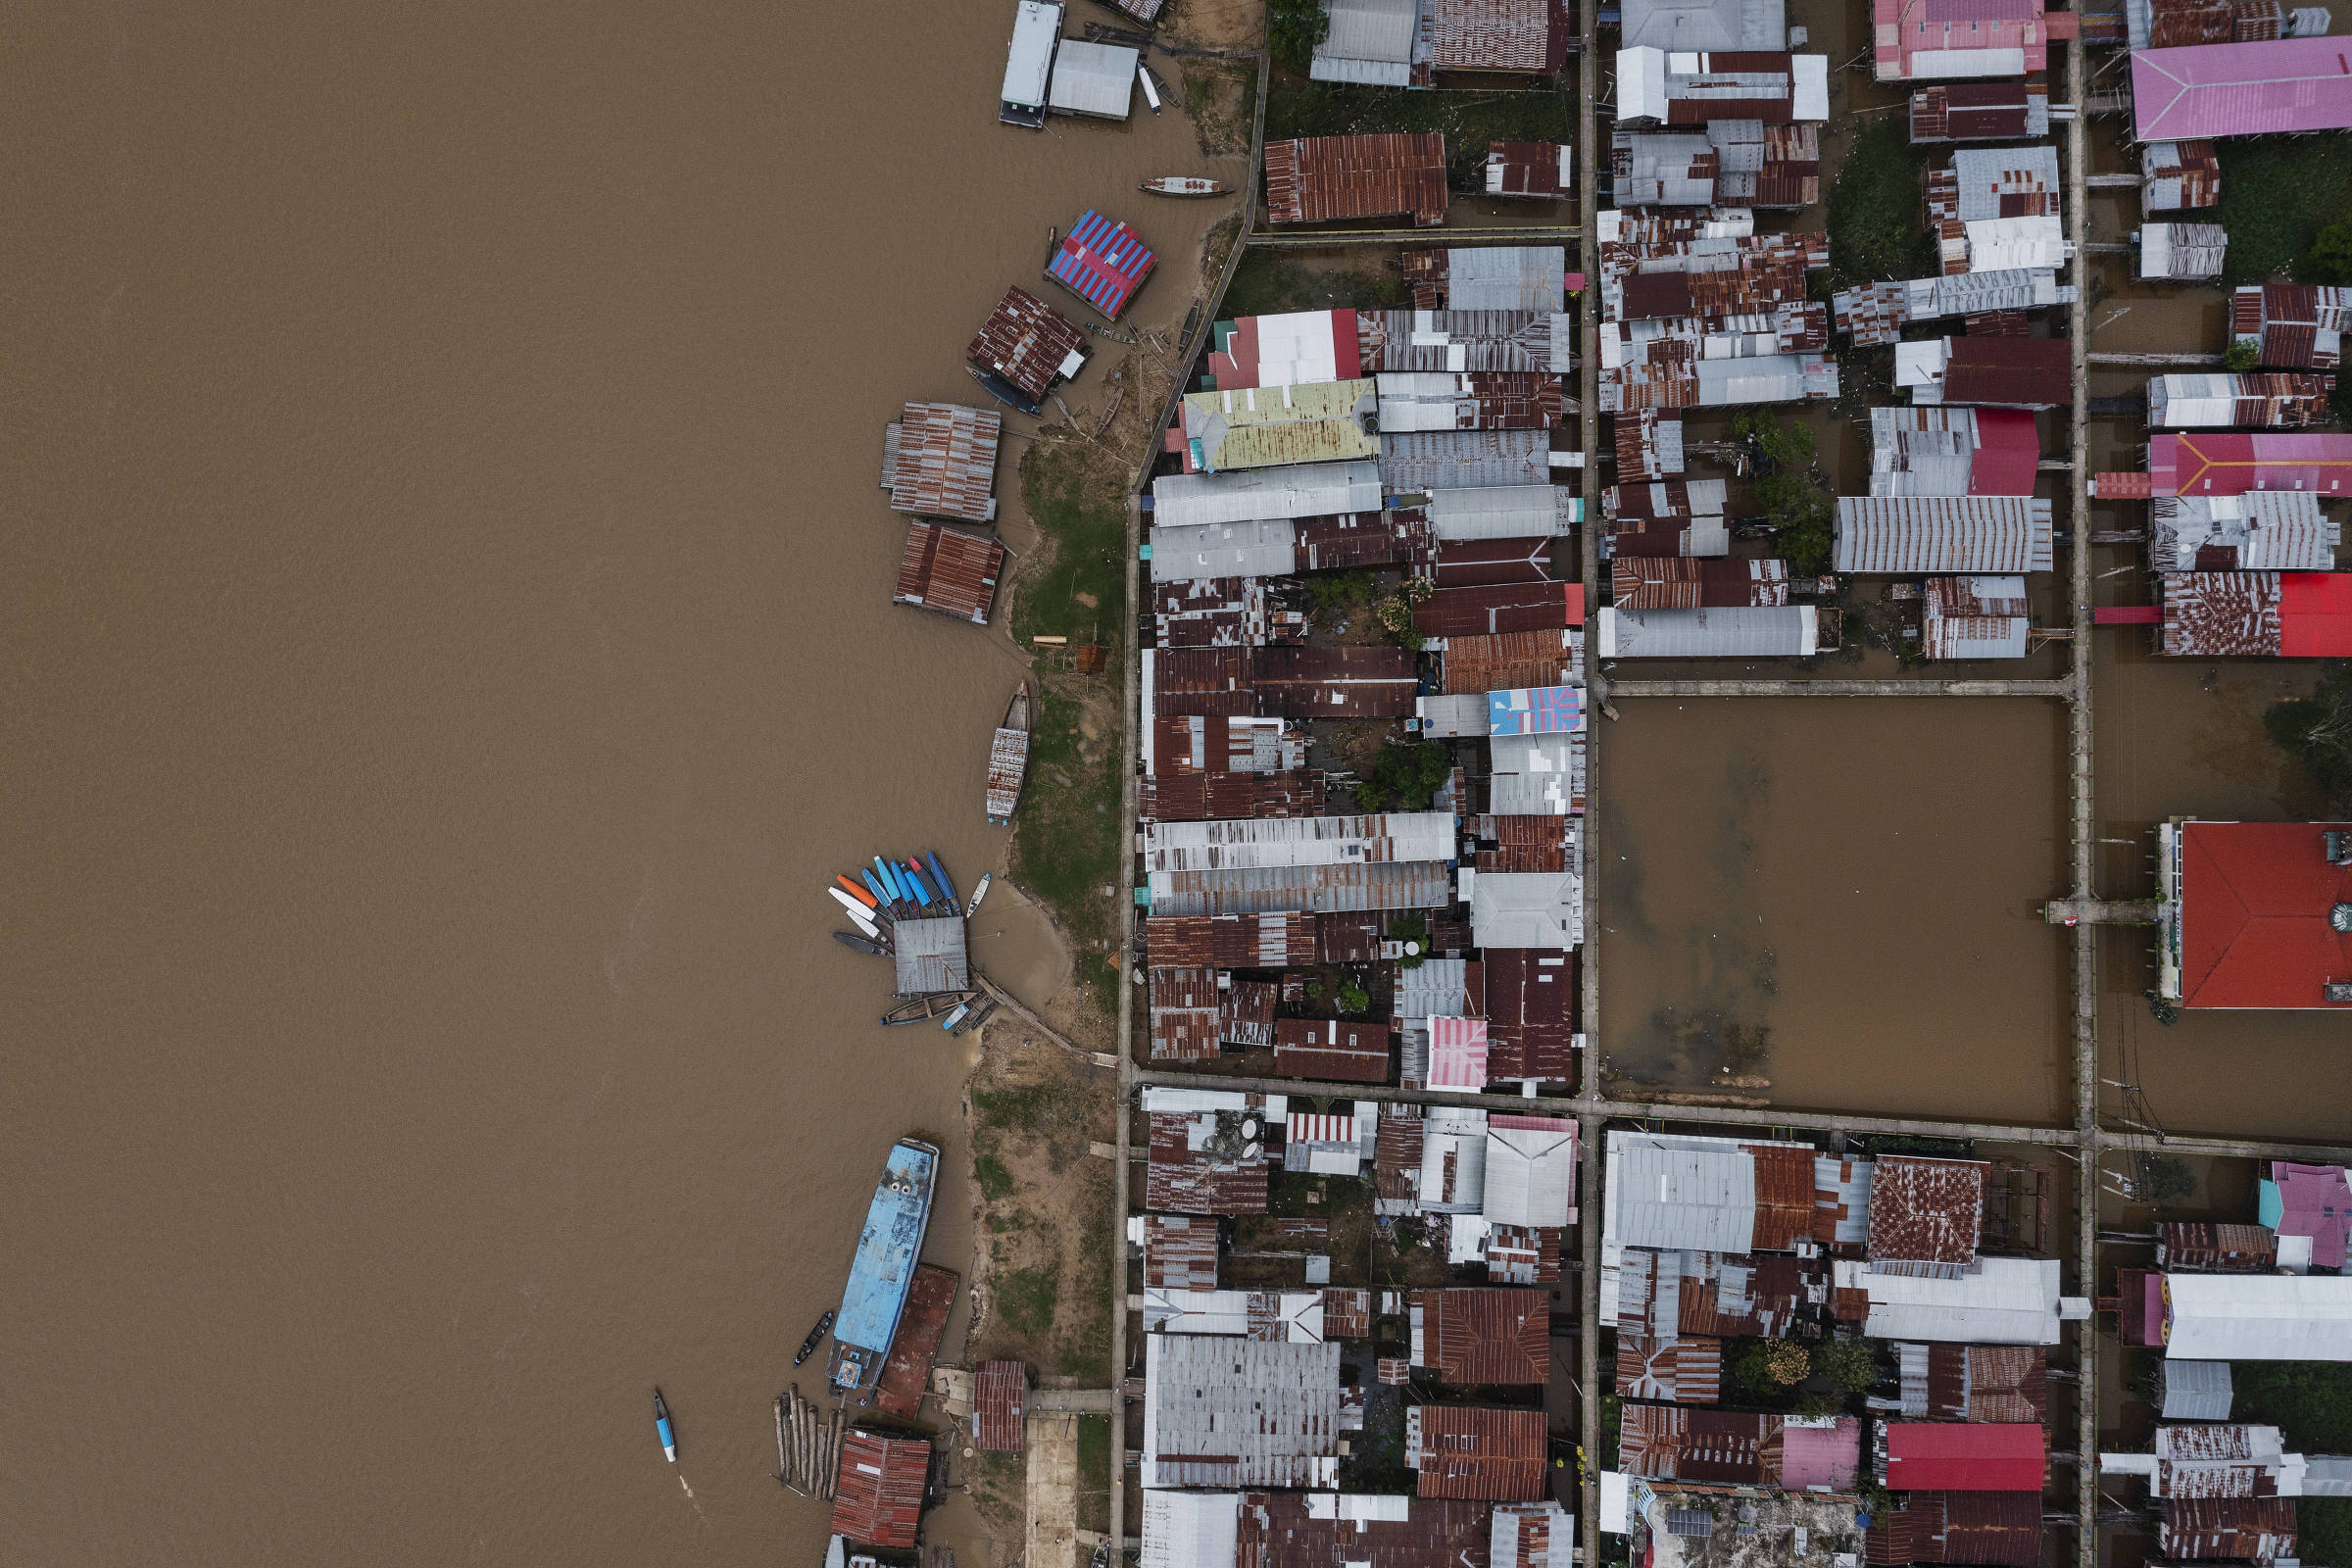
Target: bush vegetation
[2316,732]
[2278,194]
[1293,29]
[1405,778]
[1849,1366]
[1878,216]
[1269,282]
[1801,511]
[2309,1402]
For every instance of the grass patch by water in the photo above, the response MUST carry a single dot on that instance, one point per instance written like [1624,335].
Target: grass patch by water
[1066,849]
[1299,107]
[1094,1472]
[1077,593]
[2277,194]
[1269,281]
[1878,223]
[1026,1297]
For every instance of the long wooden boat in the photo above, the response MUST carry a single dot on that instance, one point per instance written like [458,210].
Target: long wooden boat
[857,944]
[817,1336]
[1008,760]
[1185,185]
[924,1009]
[883,1269]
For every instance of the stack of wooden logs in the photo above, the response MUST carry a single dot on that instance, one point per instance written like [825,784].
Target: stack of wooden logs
[807,1445]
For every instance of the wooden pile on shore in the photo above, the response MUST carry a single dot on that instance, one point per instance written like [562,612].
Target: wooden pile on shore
[807,1445]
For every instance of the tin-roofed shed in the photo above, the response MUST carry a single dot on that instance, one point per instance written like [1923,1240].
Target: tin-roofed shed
[939,460]
[930,957]
[1911,535]
[1093,79]
[1000,1391]
[1102,262]
[878,1498]
[1299,490]
[1316,179]
[1220,1412]
[1482,1337]
[1023,348]
[949,570]
[1473,1451]
[1531,1170]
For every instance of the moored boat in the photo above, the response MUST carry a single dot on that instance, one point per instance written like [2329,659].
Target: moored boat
[925,1008]
[963,1011]
[857,944]
[975,1018]
[1185,185]
[1007,762]
[946,889]
[883,1269]
[663,1430]
[817,1336]
[979,893]
[1153,87]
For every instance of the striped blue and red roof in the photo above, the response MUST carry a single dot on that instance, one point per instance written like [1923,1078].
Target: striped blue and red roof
[1102,262]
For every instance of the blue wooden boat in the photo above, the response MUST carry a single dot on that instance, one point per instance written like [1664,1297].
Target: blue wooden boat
[881,894]
[883,1269]
[921,887]
[661,1429]
[946,889]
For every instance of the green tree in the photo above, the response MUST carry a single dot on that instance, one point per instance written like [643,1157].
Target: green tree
[1848,1365]
[1404,777]
[2164,1179]
[1354,998]
[1876,219]
[1293,29]
[2316,732]
[2329,259]
[2240,357]
[1803,515]
[2309,1402]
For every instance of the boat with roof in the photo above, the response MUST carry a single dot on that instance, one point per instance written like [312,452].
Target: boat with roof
[883,1269]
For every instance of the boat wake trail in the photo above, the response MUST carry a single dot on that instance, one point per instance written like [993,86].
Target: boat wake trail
[698,1507]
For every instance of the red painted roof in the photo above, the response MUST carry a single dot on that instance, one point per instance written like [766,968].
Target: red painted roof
[2008,454]
[2314,614]
[1966,1456]
[2254,903]
[2241,89]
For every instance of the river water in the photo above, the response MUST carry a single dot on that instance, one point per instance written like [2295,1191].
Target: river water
[448,652]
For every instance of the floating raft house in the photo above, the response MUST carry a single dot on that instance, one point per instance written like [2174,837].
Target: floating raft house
[1102,262]
[931,957]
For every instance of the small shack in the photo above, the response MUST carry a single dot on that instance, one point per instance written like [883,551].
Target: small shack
[1023,348]
[1001,1392]
[939,460]
[949,570]
[1097,80]
[931,957]
[878,1499]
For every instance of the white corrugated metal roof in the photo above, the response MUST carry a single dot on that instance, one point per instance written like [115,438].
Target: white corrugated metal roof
[1294,490]
[1534,775]
[1460,1140]
[1528,908]
[1531,1175]
[2194,1391]
[2259,1317]
[1370,42]
[1737,26]
[1452,717]
[1240,1413]
[1187,551]
[1093,79]
[1739,631]
[1298,841]
[2006,1300]
[1190,1529]
[1673,1192]
[1503,512]
[1507,278]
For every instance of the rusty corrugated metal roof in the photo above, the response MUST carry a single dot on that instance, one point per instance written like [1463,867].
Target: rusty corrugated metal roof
[944,462]
[1521,36]
[1314,179]
[1529,998]
[1000,1398]
[951,572]
[1184,1015]
[1503,660]
[1280,940]
[1683,1370]
[878,1500]
[1476,1451]
[2221,613]
[1485,1336]
[1026,341]
[1332,1048]
[1180,1179]
[1180,1251]
[1927,1211]
[1291,1530]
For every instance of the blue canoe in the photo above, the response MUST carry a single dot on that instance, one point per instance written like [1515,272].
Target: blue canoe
[947,888]
[890,879]
[920,886]
[882,1270]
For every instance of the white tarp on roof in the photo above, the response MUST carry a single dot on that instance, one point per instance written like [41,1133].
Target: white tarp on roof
[2006,1300]
[2259,1317]
[1296,348]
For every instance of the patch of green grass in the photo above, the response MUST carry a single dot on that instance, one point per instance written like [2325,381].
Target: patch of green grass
[2324,1529]
[1087,523]
[1221,97]
[1878,218]
[1269,281]
[1065,847]
[1027,1298]
[1094,1472]
[996,1182]
[2277,194]
[1085,1348]
[1299,107]
[1024,1109]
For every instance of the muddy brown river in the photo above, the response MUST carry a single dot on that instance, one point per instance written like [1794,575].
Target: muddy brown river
[449,650]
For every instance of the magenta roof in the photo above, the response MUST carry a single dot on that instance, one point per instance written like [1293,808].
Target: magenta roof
[2008,454]
[1457,1053]
[1821,1456]
[2315,1200]
[2241,89]
[2232,462]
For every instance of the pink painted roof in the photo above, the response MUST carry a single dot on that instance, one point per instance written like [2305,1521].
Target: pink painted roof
[2243,89]
[1457,1053]
[1903,29]
[2316,1202]
[1821,1456]
[2233,462]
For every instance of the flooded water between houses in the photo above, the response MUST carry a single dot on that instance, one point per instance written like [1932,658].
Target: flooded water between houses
[1831,903]
[451,653]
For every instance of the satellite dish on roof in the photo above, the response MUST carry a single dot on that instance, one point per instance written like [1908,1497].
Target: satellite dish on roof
[1252,1128]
